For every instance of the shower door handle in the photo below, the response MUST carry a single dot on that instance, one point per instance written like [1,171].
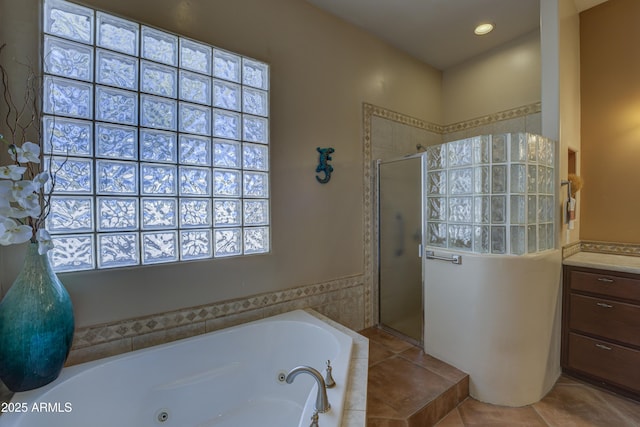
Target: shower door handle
[455,259]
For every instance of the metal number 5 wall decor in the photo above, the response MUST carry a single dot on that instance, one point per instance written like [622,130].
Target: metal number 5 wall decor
[323,164]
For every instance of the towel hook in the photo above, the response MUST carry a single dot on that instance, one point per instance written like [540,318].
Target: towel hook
[568,184]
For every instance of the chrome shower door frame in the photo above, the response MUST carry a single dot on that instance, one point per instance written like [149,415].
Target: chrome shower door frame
[400,267]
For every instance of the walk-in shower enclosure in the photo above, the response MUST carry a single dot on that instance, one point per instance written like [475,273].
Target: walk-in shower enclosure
[491,201]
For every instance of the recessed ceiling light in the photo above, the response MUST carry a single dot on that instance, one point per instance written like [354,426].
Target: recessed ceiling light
[483,29]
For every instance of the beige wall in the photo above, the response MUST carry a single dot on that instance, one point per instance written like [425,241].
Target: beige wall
[322,70]
[610,127]
[501,79]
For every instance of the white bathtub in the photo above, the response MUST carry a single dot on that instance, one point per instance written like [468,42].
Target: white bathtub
[227,378]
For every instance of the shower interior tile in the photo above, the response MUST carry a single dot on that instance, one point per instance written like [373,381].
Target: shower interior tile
[382,130]
[506,126]
[533,123]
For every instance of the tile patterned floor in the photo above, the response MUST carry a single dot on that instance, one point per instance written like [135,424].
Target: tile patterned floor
[408,388]
[571,403]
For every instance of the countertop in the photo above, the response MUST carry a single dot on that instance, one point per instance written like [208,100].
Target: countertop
[623,263]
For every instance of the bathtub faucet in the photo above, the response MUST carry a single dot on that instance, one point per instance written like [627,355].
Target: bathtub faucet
[322,401]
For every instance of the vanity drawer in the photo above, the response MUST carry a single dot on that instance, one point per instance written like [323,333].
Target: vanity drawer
[609,362]
[606,284]
[610,319]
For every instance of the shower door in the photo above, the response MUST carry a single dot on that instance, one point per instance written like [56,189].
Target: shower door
[400,242]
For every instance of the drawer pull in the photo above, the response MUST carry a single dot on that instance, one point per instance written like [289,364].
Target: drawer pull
[605,280]
[603,347]
[603,305]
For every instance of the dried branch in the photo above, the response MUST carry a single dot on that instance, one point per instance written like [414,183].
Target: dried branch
[23,123]
[20,120]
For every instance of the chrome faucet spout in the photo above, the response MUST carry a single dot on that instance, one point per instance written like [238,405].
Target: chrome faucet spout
[322,401]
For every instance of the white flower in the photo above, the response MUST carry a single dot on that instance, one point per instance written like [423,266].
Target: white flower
[13,172]
[41,179]
[18,199]
[9,211]
[29,152]
[44,241]
[22,189]
[20,211]
[27,206]
[26,200]
[11,232]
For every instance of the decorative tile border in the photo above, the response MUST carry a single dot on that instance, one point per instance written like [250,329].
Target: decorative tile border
[372,110]
[571,249]
[525,110]
[368,226]
[629,249]
[335,298]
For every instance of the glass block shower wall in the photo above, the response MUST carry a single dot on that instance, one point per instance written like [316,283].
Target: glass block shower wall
[491,194]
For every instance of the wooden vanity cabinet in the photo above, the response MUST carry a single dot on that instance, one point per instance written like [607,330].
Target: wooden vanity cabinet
[601,328]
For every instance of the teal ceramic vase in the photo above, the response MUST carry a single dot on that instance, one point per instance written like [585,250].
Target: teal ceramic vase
[36,325]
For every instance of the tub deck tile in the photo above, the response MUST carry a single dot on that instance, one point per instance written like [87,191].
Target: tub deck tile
[355,409]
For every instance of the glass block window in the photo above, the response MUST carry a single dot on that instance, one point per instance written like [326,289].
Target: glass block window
[491,194]
[159,144]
